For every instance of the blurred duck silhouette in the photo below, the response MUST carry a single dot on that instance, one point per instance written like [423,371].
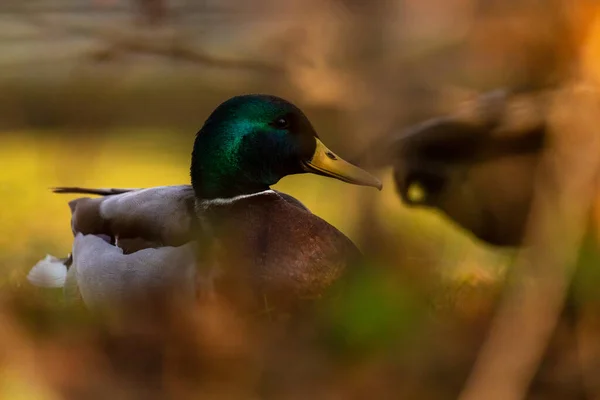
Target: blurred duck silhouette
[476,165]
[226,231]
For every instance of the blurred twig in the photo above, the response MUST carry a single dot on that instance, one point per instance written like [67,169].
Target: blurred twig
[564,195]
[117,45]
[164,42]
[542,274]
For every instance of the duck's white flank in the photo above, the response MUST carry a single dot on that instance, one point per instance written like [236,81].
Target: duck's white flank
[50,272]
[229,200]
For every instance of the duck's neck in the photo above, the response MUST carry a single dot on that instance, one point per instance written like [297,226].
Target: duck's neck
[216,176]
[207,190]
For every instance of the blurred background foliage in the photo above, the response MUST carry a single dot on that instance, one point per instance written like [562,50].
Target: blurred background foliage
[109,93]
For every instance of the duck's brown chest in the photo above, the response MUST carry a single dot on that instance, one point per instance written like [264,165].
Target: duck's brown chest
[265,247]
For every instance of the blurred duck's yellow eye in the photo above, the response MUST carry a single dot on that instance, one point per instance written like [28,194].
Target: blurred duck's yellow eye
[416,193]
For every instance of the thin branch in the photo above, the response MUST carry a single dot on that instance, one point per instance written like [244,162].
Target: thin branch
[531,306]
[167,43]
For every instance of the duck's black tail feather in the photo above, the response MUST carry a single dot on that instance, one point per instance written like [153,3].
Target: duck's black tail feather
[99,192]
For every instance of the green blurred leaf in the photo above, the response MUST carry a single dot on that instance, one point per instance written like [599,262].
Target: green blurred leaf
[371,313]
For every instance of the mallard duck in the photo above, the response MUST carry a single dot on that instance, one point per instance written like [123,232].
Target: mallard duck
[476,165]
[227,229]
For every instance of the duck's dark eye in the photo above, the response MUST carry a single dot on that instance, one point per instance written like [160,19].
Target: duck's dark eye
[281,123]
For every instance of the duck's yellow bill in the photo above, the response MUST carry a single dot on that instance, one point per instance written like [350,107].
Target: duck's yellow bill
[325,162]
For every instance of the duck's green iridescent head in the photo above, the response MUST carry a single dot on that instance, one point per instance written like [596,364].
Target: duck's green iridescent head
[250,142]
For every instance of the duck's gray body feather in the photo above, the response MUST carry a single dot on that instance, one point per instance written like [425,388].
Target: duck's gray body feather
[105,277]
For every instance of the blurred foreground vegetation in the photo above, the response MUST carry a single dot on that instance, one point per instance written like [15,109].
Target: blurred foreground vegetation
[436,267]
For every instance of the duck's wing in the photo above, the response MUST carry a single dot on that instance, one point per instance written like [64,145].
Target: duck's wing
[135,218]
[104,277]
